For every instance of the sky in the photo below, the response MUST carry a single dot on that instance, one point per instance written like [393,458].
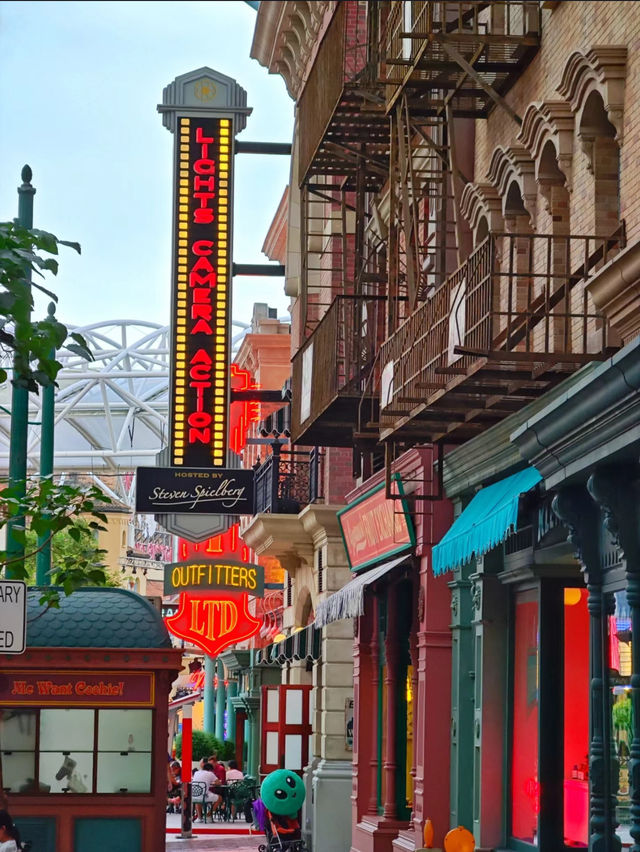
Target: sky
[79,86]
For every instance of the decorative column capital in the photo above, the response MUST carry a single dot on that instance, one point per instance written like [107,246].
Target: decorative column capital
[579,513]
[616,490]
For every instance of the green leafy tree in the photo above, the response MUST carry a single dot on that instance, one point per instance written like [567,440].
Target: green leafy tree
[69,550]
[45,507]
[203,745]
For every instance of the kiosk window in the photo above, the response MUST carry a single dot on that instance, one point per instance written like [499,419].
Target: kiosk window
[75,751]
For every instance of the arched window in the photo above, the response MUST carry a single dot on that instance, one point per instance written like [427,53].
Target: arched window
[598,138]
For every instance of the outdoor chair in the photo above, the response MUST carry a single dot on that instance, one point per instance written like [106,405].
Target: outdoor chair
[240,793]
[199,793]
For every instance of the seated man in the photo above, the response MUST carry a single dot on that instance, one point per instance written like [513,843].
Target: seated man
[221,775]
[206,776]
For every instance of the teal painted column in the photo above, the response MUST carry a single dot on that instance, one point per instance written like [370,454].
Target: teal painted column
[209,695]
[19,411]
[220,702]
[232,691]
[254,744]
[462,722]
[43,556]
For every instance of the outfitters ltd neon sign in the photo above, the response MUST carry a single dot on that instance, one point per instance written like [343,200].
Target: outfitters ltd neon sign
[200,392]
[213,623]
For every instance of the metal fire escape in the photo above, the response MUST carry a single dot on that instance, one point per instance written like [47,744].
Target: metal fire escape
[444,63]
[343,158]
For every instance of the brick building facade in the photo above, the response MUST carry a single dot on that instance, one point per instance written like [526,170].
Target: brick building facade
[462,259]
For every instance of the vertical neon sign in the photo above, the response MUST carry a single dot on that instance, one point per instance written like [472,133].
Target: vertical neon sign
[201,298]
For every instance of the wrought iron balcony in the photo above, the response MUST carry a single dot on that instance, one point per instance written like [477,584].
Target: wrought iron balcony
[507,325]
[443,52]
[332,372]
[341,116]
[287,481]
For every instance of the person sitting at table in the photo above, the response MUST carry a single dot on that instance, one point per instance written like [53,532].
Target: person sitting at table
[221,774]
[233,776]
[233,773]
[206,776]
[174,787]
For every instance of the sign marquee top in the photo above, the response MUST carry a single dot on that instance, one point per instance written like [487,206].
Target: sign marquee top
[201,291]
[373,529]
[202,574]
[226,491]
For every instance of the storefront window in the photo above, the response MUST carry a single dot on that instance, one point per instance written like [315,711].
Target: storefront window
[18,747]
[620,669]
[124,751]
[53,751]
[576,718]
[525,798]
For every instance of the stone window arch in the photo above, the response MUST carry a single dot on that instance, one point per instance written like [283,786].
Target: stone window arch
[593,84]
[511,166]
[512,173]
[598,137]
[481,206]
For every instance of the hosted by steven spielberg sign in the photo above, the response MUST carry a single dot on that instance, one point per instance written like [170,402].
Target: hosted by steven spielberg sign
[224,491]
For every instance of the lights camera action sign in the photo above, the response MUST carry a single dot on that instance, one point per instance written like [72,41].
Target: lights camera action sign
[227,491]
[201,293]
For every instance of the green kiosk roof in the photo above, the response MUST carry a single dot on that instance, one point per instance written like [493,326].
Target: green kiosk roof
[95,618]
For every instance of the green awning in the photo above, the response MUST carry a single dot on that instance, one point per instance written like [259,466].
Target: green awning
[487,521]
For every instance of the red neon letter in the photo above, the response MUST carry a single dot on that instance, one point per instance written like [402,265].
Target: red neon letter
[202,216]
[196,279]
[204,183]
[204,167]
[202,247]
[203,139]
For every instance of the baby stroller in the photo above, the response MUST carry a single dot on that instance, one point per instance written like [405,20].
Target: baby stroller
[280,838]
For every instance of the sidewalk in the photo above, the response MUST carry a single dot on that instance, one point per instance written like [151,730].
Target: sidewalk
[217,842]
[218,836]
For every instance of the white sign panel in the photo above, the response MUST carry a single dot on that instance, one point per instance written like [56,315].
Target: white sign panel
[306,379]
[13,616]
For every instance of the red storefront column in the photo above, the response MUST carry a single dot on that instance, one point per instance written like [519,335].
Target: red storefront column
[365,685]
[433,693]
[390,765]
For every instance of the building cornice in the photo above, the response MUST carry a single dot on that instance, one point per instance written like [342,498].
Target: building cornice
[597,418]
[615,290]
[492,454]
[286,37]
[275,243]
[282,536]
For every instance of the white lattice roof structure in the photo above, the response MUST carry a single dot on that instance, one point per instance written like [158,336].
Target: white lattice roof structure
[111,413]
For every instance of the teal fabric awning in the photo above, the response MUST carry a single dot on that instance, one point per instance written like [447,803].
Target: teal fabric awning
[487,521]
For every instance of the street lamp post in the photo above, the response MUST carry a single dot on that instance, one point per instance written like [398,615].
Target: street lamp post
[19,413]
[43,556]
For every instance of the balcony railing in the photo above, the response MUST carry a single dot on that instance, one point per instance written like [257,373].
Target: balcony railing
[510,322]
[337,111]
[423,41]
[332,371]
[287,481]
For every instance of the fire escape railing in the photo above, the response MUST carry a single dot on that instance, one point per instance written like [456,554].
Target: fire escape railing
[515,298]
[288,480]
[337,359]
